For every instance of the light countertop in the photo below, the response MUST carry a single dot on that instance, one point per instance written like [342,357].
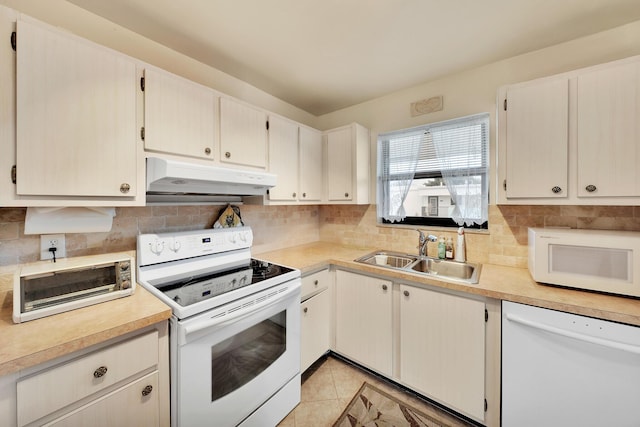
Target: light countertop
[499,282]
[37,341]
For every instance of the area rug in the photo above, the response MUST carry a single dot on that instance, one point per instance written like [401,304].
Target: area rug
[372,407]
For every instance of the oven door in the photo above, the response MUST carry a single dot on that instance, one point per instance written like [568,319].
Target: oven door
[230,360]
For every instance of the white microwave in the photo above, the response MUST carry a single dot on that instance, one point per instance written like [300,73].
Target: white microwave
[596,260]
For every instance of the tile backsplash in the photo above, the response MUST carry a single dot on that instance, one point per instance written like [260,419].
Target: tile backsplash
[277,227]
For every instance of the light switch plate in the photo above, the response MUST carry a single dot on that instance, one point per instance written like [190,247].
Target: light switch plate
[52,240]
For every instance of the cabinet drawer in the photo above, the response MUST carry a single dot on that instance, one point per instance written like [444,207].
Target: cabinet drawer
[54,388]
[136,403]
[314,283]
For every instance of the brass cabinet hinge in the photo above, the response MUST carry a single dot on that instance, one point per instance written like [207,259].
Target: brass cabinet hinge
[486,405]
[504,185]
[505,104]
[142,133]
[13,40]
[486,315]
[13,174]
[267,124]
[142,84]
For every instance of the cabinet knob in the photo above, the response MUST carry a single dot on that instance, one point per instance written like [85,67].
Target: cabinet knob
[406,293]
[98,373]
[346,194]
[315,282]
[147,390]
[305,309]
[227,155]
[124,188]
[384,287]
[207,151]
[556,189]
[294,194]
[590,188]
[304,194]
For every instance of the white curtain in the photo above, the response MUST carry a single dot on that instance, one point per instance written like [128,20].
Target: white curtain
[397,160]
[463,163]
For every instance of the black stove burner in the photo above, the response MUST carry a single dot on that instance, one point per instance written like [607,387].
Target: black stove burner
[198,288]
[264,270]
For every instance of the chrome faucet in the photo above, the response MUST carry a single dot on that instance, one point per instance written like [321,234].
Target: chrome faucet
[423,241]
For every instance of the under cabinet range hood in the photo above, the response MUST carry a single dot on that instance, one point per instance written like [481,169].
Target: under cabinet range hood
[170,181]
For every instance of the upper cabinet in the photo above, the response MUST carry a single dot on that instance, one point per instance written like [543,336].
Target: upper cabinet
[347,164]
[608,131]
[243,134]
[75,122]
[537,155]
[180,116]
[295,155]
[571,139]
[283,158]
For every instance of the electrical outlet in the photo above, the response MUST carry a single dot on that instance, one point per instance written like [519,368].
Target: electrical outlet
[52,241]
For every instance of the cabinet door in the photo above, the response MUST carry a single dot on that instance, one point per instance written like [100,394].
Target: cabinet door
[340,164]
[243,134]
[179,116]
[310,146]
[135,404]
[609,132]
[537,120]
[442,349]
[364,320]
[314,328]
[283,158]
[76,117]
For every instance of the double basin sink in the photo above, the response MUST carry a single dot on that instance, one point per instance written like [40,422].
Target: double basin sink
[443,269]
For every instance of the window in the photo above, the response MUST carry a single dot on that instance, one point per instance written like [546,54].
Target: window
[435,174]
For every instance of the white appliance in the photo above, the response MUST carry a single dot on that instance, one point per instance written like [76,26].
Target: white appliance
[235,328]
[597,260]
[46,288]
[170,181]
[560,369]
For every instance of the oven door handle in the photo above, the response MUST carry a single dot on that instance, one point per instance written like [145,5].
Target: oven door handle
[220,321]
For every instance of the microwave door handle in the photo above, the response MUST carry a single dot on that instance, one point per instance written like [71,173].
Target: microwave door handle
[240,314]
[575,335]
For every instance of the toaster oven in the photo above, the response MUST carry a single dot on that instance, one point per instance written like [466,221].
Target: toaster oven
[45,288]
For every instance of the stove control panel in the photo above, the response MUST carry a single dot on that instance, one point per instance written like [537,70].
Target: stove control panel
[155,248]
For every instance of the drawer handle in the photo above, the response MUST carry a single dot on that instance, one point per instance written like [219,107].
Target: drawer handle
[100,372]
[147,390]
[384,287]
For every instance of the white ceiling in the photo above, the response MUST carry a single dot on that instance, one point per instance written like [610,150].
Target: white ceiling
[324,55]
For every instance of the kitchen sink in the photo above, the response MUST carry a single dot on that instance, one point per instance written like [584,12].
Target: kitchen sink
[454,270]
[388,259]
[444,269]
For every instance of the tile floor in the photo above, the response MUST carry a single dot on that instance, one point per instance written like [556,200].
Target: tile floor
[330,384]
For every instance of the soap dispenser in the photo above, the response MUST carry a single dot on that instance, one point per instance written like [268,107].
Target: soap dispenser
[460,247]
[442,248]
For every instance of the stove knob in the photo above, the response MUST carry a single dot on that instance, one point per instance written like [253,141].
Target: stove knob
[175,245]
[157,247]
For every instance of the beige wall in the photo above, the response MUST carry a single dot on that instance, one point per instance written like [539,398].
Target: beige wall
[273,227]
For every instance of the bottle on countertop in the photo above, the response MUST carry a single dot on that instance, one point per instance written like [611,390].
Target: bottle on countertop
[449,248]
[442,248]
[460,247]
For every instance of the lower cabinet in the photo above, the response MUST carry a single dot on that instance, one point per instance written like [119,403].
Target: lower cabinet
[442,347]
[315,318]
[364,322]
[131,405]
[118,383]
[436,342]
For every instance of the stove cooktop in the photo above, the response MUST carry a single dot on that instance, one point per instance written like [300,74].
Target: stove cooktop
[200,288]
